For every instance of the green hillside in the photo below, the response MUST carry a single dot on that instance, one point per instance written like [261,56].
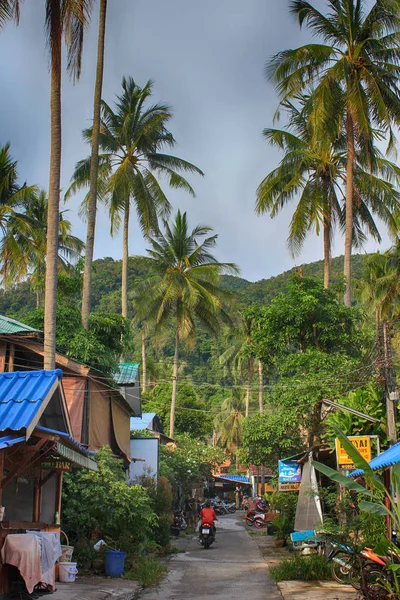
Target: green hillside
[107,283]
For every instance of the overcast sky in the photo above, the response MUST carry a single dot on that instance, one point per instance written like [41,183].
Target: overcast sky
[207,60]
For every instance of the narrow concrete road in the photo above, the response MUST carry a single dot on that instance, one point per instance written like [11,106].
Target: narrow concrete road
[232,568]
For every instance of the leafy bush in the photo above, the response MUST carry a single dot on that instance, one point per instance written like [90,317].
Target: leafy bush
[285,503]
[99,504]
[147,571]
[303,568]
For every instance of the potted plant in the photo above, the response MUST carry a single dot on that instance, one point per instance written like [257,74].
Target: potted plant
[281,530]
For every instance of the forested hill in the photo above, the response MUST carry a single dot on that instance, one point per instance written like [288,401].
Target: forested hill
[107,284]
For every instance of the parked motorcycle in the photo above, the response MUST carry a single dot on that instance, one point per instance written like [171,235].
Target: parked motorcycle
[179,524]
[206,535]
[257,519]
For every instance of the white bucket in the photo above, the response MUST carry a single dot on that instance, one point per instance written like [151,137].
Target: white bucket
[67,571]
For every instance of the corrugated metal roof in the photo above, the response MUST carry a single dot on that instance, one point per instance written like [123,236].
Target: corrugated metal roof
[390,457]
[21,395]
[10,326]
[127,373]
[143,422]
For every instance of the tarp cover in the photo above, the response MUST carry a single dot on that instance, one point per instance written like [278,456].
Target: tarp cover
[308,510]
[74,389]
[100,417]
[122,432]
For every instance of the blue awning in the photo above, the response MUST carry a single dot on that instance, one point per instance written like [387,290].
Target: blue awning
[235,478]
[390,457]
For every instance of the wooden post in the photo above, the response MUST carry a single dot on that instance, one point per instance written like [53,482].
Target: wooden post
[57,507]
[386,480]
[11,358]
[1,475]
[3,350]
[36,498]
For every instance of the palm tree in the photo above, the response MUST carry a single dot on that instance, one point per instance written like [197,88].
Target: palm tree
[68,18]
[23,252]
[9,10]
[239,357]
[354,80]
[13,199]
[94,170]
[314,171]
[183,287]
[132,139]
[228,422]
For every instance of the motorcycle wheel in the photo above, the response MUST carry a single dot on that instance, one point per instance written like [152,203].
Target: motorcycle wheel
[372,574]
[232,509]
[249,523]
[206,544]
[340,573]
[258,523]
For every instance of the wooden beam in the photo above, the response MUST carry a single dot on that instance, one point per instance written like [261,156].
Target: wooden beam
[36,499]
[11,358]
[3,351]
[25,463]
[2,454]
[58,497]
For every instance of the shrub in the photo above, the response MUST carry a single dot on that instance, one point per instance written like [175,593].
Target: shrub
[303,568]
[99,504]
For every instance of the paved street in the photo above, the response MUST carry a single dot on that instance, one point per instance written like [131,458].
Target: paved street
[232,568]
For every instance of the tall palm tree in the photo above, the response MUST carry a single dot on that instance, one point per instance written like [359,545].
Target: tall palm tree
[354,79]
[68,18]
[239,357]
[132,139]
[183,287]
[94,170]
[314,172]
[228,422]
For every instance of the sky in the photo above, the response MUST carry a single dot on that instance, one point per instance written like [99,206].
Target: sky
[207,61]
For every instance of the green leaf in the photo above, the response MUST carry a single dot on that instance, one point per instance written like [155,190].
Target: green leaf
[349,484]
[374,508]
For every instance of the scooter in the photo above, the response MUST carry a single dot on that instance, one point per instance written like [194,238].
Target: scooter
[206,535]
[179,523]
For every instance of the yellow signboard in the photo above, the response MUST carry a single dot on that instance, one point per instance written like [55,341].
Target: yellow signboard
[363,445]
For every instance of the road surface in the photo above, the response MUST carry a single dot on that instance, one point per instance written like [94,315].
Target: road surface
[232,568]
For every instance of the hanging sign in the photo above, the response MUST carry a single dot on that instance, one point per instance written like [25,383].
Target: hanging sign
[363,445]
[289,475]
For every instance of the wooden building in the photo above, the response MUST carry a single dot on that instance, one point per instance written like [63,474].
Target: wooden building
[36,447]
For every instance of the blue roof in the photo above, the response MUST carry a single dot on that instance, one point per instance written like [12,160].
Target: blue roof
[390,457]
[143,422]
[241,478]
[22,394]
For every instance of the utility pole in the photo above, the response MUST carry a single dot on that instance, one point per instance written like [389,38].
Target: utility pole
[391,392]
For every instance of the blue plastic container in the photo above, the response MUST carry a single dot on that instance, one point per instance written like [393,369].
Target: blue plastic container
[115,562]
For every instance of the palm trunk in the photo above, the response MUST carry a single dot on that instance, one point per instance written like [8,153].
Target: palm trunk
[125,261]
[143,361]
[349,208]
[174,385]
[53,212]
[327,252]
[94,167]
[248,388]
[260,387]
